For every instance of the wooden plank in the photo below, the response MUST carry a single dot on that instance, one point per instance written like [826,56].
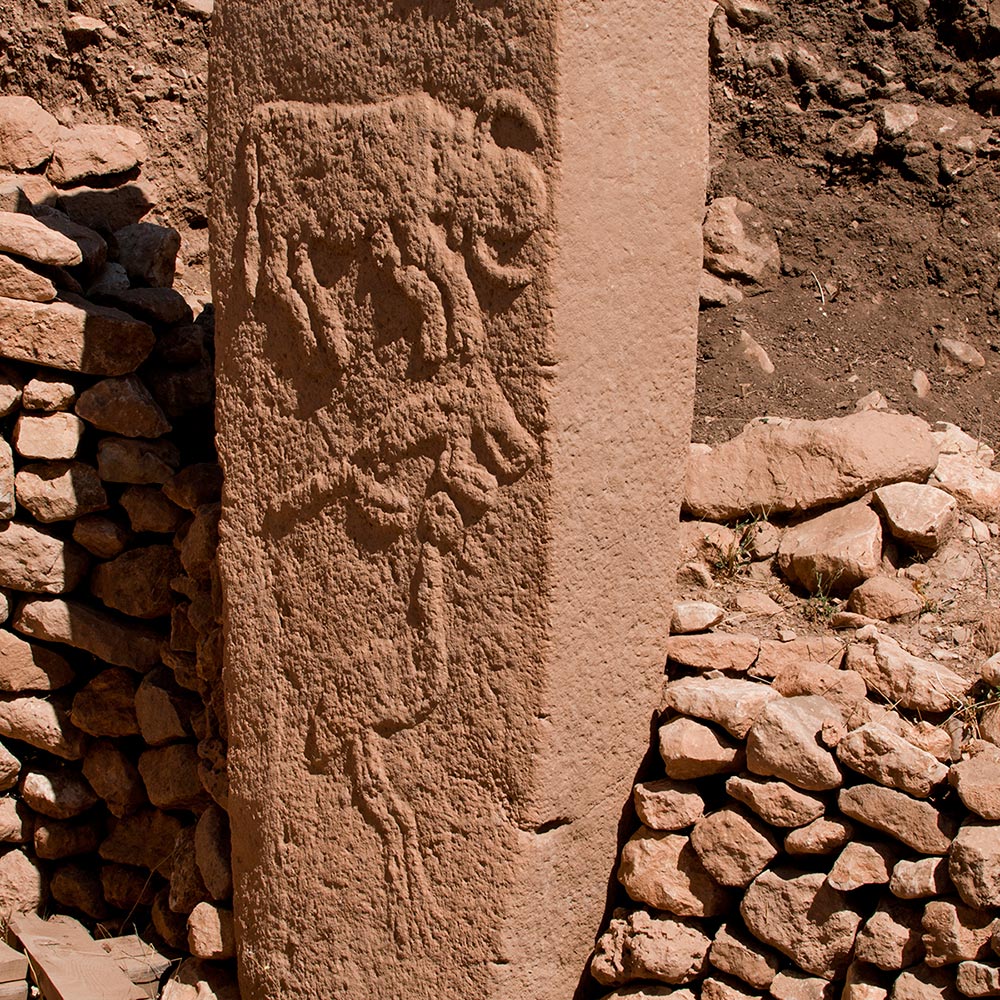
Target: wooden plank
[68,964]
[13,965]
[140,961]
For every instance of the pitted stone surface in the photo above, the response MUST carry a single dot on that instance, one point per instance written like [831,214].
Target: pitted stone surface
[431,261]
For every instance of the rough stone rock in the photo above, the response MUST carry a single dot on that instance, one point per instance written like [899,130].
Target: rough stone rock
[734,847]
[977,489]
[844,688]
[923,983]
[26,236]
[73,334]
[977,780]
[914,822]
[792,984]
[713,291]
[889,759]
[738,243]
[15,821]
[778,465]
[23,886]
[28,133]
[753,602]
[123,406]
[11,385]
[920,515]
[747,14]
[114,778]
[974,863]
[833,552]
[952,440]
[977,979]
[10,769]
[641,945]
[149,253]
[145,838]
[714,651]
[27,667]
[195,485]
[37,561]
[822,836]
[776,802]
[127,460]
[138,581]
[862,863]
[48,393]
[954,932]
[172,927]
[79,888]
[737,953]
[784,742]
[902,678]
[713,988]
[920,879]
[694,616]
[114,640]
[93,246]
[891,937]
[59,794]
[663,804]
[105,705]
[958,356]
[53,436]
[663,871]
[804,918]
[692,750]
[110,282]
[728,702]
[864,982]
[149,510]
[170,774]
[87,152]
[213,852]
[59,491]
[109,208]
[126,887]
[101,536]
[187,889]
[20,282]
[885,598]
[54,839]
[162,306]
[210,932]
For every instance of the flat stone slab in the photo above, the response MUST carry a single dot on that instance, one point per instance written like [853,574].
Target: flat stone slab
[74,335]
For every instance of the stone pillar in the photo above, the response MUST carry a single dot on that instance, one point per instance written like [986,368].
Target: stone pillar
[456,258]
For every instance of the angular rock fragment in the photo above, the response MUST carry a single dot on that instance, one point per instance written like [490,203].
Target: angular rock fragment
[974,863]
[694,616]
[211,934]
[862,863]
[914,822]
[108,208]
[641,945]
[792,984]
[87,152]
[977,489]
[920,879]
[726,701]
[73,334]
[832,553]
[105,705]
[145,838]
[920,515]
[714,651]
[889,759]
[92,245]
[23,886]
[19,282]
[79,888]
[54,839]
[954,932]
[149,253]
[891,937]
[805,919]
[663,871]
[114,778]
[53,436]
[660,805]
[885,598]
[37,561]
[28,133]
[59,491]
[127,460]
[213,852]
[25,666]
[195,485]
[114,640]
[60,794]
[122,406]
[775,801]
[25,236]
[779,465]
[171,777]
[16,821]
[844,688]
[101,536]
[149,509]
[977,780]
[737,243]
[714,988]
[822,836]
[41,723]
[733,846]
[737,953]
[138,581]
[187,889]
[693,750]
[784,742]
[977,979]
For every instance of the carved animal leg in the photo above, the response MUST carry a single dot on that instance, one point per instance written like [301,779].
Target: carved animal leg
[411,902]
[322,308]
[467,478]
[427,244]
[420,290]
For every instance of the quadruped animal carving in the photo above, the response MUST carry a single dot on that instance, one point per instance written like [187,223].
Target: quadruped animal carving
[431,200]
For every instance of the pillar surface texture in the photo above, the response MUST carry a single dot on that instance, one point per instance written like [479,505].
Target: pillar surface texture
[456,258]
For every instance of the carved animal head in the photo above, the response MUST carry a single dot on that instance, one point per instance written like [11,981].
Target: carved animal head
[509,194]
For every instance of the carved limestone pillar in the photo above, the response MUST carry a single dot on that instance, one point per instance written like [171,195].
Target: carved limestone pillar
[456,258]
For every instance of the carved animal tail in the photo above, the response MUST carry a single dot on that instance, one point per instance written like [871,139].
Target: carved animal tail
[412,910]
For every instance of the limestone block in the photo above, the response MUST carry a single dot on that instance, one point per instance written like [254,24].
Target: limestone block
[975,780]
[974,863]
[148,253]
[52,436]
[48,392]
[26,236]
[728,702]
[883,756]
[666,804]
[122,406]
[914,822]
[779,465]
[733,846]
[28,133]
[59,491]
[921,515]
[775,801]
[105,705]
[444,542]
[58,794]
[739,954]
[27,667]
[87,152]
[38,561]
[20,282]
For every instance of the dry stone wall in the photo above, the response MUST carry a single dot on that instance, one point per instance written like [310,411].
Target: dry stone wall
[112,724]
[826,820]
